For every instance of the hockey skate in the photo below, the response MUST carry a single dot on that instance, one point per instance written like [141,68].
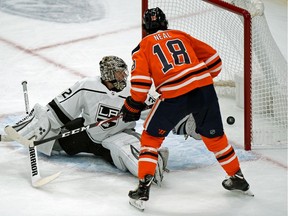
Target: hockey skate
[139,196]
[237,182]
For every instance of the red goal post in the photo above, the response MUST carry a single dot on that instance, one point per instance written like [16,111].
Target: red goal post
[252,58]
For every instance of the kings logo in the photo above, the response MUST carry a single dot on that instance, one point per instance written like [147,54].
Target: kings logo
[105,112]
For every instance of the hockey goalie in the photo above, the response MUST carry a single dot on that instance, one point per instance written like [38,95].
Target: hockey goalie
[92,100]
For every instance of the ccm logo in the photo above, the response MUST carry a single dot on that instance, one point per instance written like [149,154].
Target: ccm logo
[75,131]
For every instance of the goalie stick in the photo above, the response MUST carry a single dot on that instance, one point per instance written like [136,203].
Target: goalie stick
[11,132]
[36,179]
[5,138]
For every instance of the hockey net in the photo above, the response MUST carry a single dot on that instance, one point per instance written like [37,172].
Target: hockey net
[254,70]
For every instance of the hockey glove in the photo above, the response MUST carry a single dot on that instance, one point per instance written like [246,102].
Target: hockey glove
[131,110]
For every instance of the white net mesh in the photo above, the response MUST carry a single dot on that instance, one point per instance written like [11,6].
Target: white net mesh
[224,30]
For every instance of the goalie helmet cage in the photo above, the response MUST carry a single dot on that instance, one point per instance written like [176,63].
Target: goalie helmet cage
[254,71]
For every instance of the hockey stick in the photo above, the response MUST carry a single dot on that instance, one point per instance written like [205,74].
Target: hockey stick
[29,143]
[11,132]
[37,180]
[25,93]
[5,138]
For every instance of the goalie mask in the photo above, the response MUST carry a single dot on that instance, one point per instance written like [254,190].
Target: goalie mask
[110,69]
[153,20]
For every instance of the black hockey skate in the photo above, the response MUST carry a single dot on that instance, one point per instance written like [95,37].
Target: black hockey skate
[237,182]
[139,196]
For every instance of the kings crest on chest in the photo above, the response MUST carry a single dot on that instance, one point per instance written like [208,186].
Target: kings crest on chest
[105,112]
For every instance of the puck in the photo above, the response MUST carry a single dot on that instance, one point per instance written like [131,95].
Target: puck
[230,120]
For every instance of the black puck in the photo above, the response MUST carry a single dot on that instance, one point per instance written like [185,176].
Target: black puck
[230,120]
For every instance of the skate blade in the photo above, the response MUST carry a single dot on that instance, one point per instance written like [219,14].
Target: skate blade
[138,204]
[248,192]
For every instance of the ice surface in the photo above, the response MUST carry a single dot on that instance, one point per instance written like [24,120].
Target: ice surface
[52,56]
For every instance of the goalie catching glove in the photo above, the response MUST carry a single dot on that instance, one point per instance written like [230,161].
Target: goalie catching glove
[39,124]
[131,110]
[35,125]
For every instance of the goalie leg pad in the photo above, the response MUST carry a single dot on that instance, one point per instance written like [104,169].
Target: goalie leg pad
[48,146]
[187,127]
[122,156]
[163,154]
[125,150]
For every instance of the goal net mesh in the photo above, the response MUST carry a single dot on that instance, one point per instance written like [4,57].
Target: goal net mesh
[224,31]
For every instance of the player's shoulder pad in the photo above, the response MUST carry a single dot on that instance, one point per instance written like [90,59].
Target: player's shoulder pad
[136,49]
[89,82]
[93,84]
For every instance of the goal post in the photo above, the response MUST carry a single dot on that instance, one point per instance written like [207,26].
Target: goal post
[238,30]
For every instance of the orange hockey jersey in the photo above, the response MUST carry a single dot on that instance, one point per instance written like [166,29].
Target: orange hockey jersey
[175,62]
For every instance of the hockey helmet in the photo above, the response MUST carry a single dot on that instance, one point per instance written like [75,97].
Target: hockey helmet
[109,66]
[153,20]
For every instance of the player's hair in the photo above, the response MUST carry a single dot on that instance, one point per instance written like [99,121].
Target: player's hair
[153,20]
[109,65]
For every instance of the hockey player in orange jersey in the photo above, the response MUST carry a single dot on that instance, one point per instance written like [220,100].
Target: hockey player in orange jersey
[182,69]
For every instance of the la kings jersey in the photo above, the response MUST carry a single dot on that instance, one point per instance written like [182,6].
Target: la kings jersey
[93,101]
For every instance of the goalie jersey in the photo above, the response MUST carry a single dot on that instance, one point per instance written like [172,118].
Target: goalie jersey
[92,100]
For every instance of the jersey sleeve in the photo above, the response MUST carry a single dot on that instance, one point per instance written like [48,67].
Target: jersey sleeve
[141,80]
[68,104]
[208,55]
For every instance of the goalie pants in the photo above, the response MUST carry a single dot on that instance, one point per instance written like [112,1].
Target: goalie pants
[81,142]
[166,113]
[121,149]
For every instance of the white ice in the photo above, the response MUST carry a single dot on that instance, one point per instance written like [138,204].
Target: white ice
[47,55]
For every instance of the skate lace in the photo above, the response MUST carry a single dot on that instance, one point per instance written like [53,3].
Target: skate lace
[235,177]
[238,176]
[146,182]
[230,179]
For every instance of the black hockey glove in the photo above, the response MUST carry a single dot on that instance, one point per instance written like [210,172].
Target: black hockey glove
[131,110]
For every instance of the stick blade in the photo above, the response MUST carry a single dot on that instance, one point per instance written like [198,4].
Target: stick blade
[14,135]
[43,181]
[5,138]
